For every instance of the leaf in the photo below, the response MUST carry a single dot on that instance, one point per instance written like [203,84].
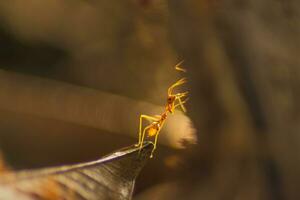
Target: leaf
[111,177]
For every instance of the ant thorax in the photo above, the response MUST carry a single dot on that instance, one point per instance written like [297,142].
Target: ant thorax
[163,116]
[170,107]
[170,103]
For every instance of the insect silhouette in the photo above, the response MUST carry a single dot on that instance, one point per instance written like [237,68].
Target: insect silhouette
[157,121]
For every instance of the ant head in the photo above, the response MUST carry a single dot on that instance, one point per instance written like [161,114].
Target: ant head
[171,99]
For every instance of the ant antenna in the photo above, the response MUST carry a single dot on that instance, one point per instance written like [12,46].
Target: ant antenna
[177,67]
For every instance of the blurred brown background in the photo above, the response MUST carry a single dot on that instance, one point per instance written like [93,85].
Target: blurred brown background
[243,65]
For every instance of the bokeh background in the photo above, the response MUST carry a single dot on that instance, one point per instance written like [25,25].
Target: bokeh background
[243,67]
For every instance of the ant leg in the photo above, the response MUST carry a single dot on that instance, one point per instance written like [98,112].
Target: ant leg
[149,118]
[181,104]
[177,67]
[143,136]
[182,94]
[155,142]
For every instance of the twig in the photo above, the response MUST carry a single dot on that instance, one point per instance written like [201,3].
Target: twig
[84,106]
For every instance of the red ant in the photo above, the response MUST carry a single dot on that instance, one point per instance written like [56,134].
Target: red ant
[157,121]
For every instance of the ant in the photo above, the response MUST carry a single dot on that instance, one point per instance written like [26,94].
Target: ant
[157,121]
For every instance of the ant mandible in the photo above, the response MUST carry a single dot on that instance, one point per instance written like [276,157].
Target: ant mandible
[157,121]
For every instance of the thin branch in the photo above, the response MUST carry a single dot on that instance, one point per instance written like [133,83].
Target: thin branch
[84,106]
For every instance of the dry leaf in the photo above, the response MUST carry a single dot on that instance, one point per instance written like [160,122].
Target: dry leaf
[111,177]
